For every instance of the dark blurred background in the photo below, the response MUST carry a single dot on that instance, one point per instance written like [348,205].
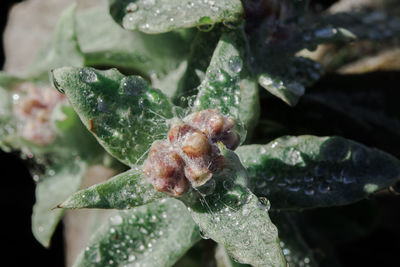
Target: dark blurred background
[373,239]
[17,197]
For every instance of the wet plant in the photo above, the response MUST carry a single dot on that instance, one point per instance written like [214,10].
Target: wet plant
[167,93]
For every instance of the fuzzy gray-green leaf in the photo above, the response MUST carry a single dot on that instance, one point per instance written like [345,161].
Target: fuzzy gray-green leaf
[126,190]
[157,234]
[105,43]
[220,88]
[249,111]
[223,259]
[58,184]
[308,171]
[124,113]
[62,50]
[201,52]
[157,16]
[288,81]
[227,212]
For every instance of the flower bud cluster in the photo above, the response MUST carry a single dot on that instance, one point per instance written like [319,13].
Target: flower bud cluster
[190,155]
[33,106]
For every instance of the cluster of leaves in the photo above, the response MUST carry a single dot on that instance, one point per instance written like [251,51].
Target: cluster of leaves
[200,55]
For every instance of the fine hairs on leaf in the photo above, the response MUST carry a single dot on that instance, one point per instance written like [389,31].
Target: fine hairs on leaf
[188,104]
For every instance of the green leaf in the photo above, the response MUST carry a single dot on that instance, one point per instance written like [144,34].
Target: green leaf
[224,260]
[62,50]
[249,110]
[60,182]
[126,190]
[231,215]
[288,81]
[295,248]
[7,81]
[105,43]
[170,82]
[157,16]
[157,234]
[221,87]
[308,171]
[6,119]
[201,51]
[123,112]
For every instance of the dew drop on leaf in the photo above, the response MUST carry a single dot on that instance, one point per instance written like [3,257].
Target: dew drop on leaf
[263,203]
[88,75]
[228,184]
[348,179]
[203,234]
[235,64]
[131,7]
[309,191]
[116,220]
[324,188]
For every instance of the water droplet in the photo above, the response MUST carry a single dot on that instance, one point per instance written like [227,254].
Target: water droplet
[131,258]
[290,180]
[395,189]
[221,77]
[228,184]
[116,220]
[235,64]
[206,27]
[308,179]
[348,179]
[263,203]
[208,188]
[358,157]
[131,7]
[245,198]
[261,183]
[87,75]
[309,191]
[245,211]
[132,86]
[327,32]
[36,178]
[293,157]
[324,188]
[293,188]
[286,251]
[15,97]
[101,106]
[203,234]
[93,254]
